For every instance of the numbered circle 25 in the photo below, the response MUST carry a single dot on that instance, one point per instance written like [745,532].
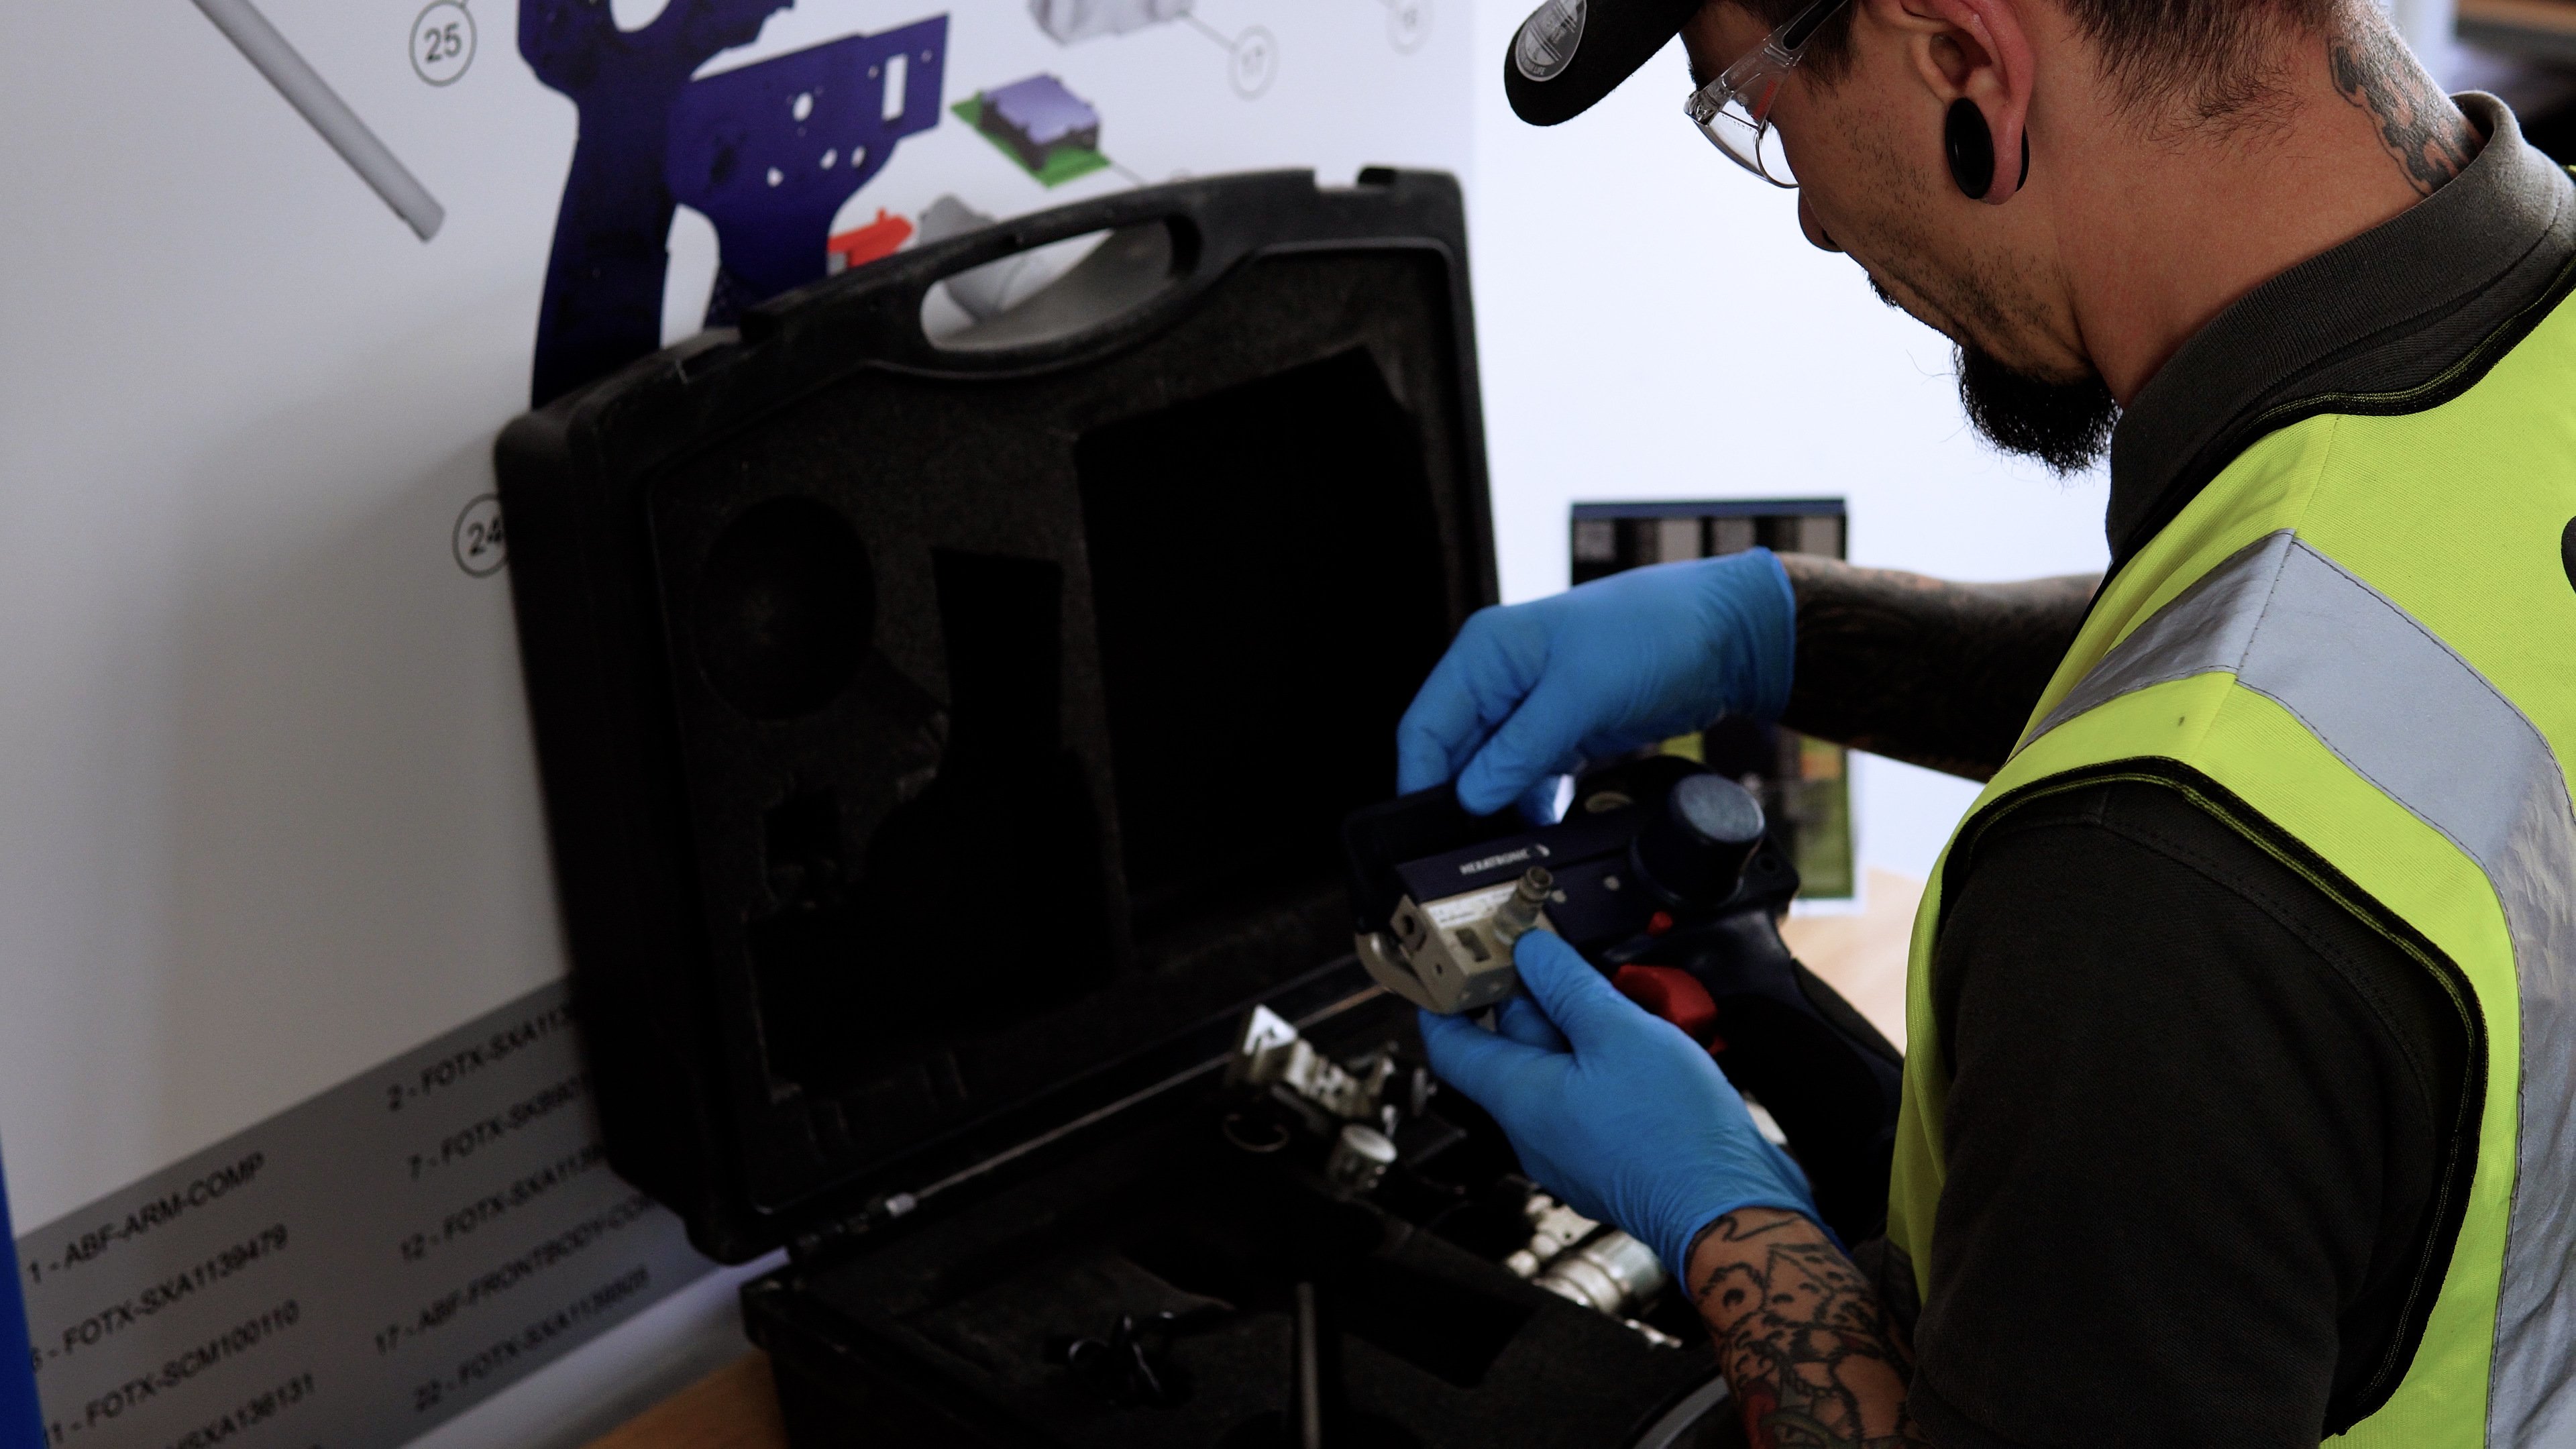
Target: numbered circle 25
[442,42]
[480,546]
[1255,64]
[1408,24]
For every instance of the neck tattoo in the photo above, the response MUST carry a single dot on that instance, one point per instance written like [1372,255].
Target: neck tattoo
[2423,132]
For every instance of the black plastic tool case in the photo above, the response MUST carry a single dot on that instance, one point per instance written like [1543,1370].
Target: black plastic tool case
[944,743]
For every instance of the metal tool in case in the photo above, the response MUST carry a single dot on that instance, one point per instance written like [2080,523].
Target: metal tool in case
[1641,853]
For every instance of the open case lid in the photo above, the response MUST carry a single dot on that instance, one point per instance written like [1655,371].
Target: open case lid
[937,733]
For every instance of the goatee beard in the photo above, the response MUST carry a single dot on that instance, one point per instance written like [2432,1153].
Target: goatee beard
[2065,425]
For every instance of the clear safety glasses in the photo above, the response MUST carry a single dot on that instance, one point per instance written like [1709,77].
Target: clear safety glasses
[1734,110]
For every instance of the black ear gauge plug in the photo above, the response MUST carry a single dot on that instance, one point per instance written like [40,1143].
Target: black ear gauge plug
[1970,145]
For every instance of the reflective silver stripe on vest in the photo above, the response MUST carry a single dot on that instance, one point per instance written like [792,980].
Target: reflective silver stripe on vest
[2416,720]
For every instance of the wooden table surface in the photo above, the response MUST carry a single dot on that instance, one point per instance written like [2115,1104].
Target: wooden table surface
[1862,955]
[732,1408]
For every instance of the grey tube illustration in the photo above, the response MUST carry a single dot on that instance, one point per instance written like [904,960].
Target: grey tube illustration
[313,98]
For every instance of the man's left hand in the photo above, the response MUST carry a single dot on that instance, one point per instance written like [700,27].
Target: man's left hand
[1615,1111]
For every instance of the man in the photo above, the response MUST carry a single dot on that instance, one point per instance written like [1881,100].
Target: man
[2241,1087]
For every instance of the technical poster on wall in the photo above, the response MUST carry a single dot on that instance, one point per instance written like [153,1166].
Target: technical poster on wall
[276,273]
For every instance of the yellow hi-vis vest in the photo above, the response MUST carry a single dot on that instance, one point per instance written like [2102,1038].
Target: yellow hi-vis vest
[2363,635]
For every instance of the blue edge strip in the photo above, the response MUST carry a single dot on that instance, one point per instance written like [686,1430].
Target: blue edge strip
[21,1423]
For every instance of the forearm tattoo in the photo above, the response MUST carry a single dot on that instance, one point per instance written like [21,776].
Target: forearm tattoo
[1921,670]
[1813,1360]
[2426,134]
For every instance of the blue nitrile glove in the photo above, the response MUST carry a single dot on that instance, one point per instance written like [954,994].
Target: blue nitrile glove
[1615,1111]
[1531,691]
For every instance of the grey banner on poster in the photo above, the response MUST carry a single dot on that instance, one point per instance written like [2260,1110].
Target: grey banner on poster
[358,1269]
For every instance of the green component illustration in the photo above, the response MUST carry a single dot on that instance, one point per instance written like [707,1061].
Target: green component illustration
[1047,130]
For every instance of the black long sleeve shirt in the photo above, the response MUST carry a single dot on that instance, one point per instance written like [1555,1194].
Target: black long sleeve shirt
[2195,1137]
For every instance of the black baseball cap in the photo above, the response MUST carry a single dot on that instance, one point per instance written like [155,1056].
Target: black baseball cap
[1571,53]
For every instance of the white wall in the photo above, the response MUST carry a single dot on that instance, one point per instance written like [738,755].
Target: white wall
[2427,26]
[1653,325]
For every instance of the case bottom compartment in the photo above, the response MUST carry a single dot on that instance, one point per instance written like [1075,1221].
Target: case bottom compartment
[956,1332]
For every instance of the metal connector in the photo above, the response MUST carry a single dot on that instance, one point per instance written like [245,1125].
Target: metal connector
[1454,955]
[1518,916]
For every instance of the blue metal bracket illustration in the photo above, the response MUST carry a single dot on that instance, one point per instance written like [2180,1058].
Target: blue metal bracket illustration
[771,151]
[650,135]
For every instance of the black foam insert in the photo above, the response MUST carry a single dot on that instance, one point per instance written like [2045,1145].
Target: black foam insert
[1264,565]
[1427,1344]
[939,738]
[1004,838]
[785,605]
[1020,718]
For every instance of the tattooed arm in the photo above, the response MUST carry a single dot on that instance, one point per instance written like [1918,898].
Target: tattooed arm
[2425,134]
[1933,673]
[1812,1358]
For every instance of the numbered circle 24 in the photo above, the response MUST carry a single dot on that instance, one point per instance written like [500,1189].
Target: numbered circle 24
[442,42]
[1255,64]
[479,544]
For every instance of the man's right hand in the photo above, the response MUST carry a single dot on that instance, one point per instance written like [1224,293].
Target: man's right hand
[1615,1111]
[1533,691]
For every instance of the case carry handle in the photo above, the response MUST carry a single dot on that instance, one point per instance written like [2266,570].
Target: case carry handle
[1165,245]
